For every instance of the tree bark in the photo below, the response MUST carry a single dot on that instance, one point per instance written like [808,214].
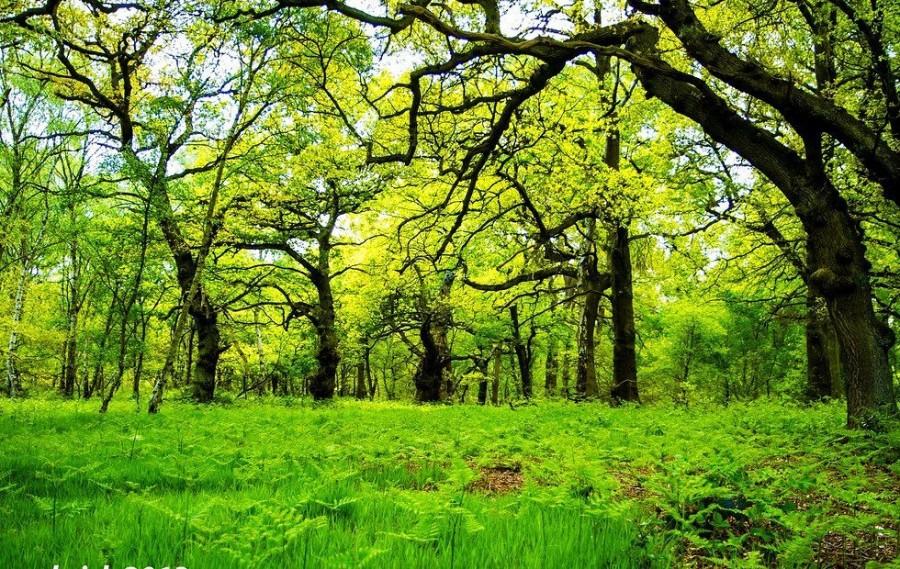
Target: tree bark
[566,375]
[13,379]
[322,382]
[434,373]
[820,380]
[481,364]
[98,380]
[495,380]
[434,364]
[189,356]
[203,378]
[586,376]
[625,385]
[523,353]
[361,390]
[842,280]
[70,366]
[371,380]
[139,364]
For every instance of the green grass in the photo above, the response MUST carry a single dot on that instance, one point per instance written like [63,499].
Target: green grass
[361,484]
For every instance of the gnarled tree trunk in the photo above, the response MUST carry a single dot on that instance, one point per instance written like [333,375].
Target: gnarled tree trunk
[839,273]
[322,382]
[434,373]
[822,367]
[434,364]
[203,378]
[838,268]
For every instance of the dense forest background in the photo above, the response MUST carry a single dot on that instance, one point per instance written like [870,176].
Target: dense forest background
[475,202]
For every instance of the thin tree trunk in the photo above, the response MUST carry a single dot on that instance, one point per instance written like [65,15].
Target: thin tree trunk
[139,364]
[13,379]
[97,382]
[189,356]
[566,373]
[74,294]
[586,379]
[495,383]
[370,379]
[70,365]
[261,354]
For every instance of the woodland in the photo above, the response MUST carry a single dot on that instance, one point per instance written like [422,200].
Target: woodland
[459,284]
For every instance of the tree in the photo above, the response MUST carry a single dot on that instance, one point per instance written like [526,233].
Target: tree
[28,158]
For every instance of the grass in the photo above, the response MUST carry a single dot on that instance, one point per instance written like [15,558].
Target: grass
[384,485]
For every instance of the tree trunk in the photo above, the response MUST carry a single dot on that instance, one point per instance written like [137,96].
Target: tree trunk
[342,380]
[523,353]
[322,382]
[434,364]
[481,364]
[840,275]
[139,364]
[97,382]
[625,386]
[838,268]
[74,294]
[819,374]
[189,356]
[586,378]
[370,378]
[70,366]
[434,372]
[13,379]
[361,391]
[203,378]
[120,364]
[495,383]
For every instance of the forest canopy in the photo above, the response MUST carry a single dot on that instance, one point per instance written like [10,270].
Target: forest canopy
[475,201]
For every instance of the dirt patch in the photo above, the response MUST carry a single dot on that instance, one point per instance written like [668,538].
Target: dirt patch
[631,481]
[498,479]
[855,551]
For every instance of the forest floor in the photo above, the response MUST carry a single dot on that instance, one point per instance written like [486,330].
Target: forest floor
[278,485]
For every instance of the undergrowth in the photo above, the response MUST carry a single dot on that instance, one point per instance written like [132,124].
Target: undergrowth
[388,485]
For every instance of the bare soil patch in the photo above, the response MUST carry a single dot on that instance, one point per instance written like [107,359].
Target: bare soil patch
[498,479]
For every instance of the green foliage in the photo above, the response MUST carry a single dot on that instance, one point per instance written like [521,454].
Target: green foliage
[385,485]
